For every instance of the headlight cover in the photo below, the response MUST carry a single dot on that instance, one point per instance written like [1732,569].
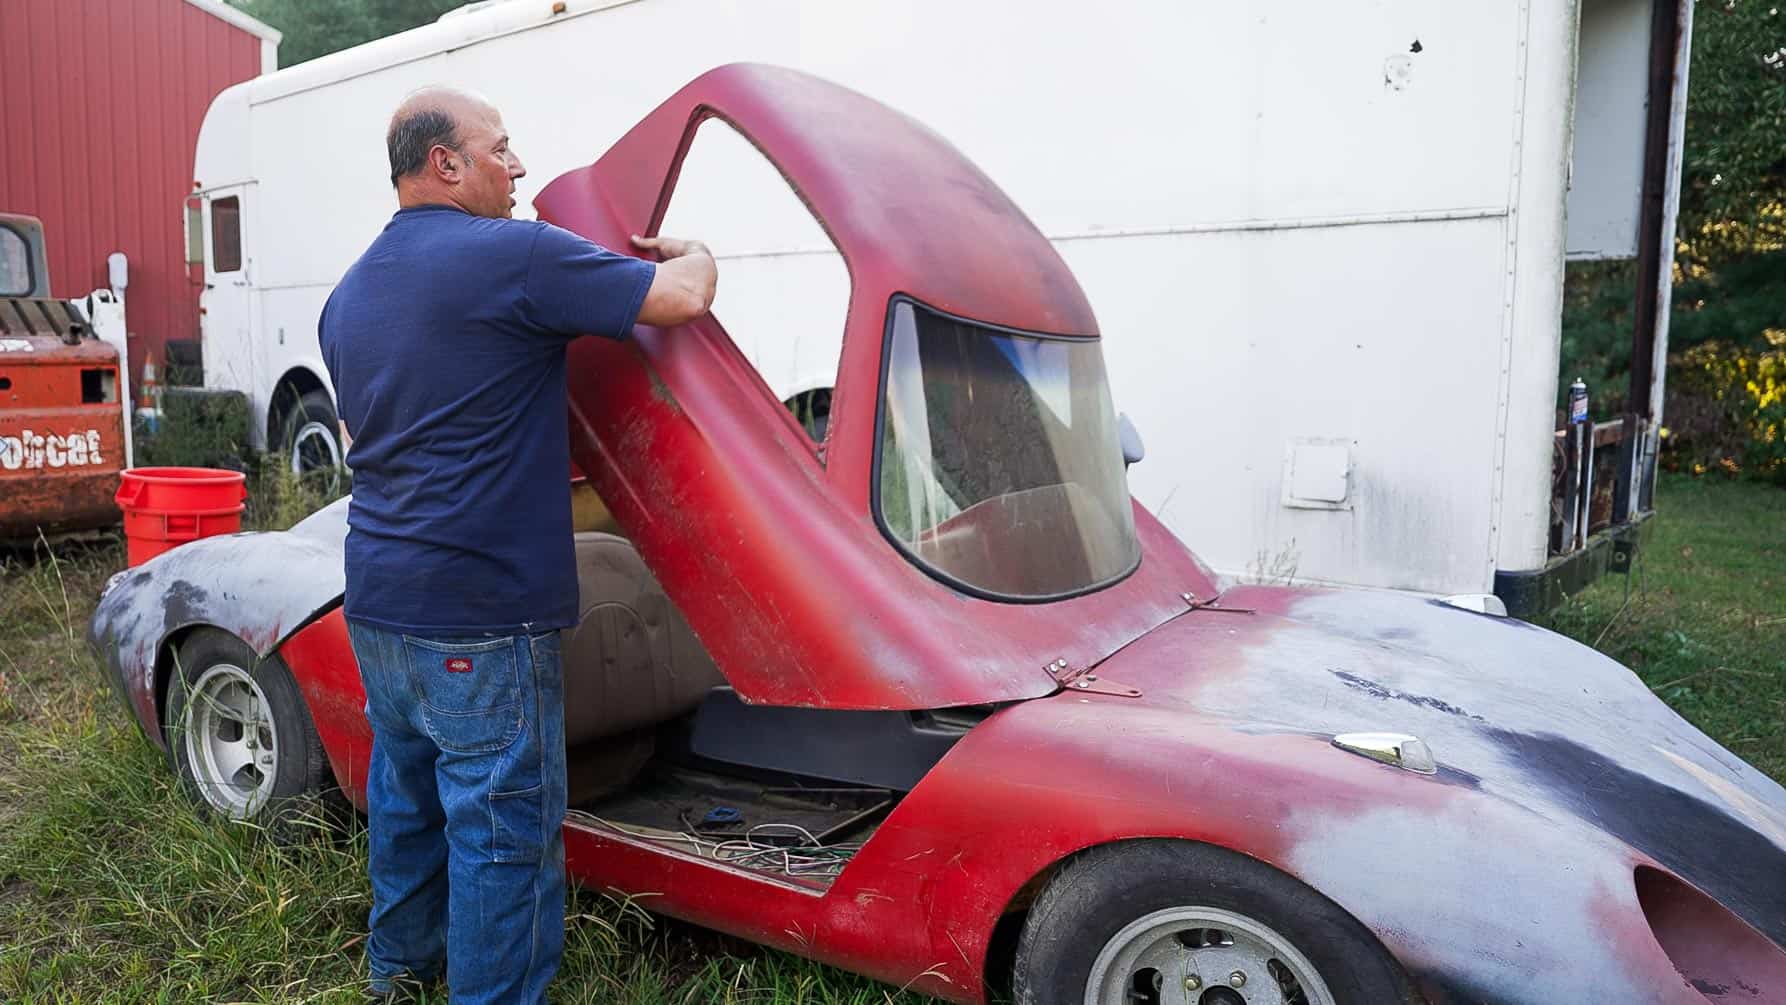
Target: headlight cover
[1718,953]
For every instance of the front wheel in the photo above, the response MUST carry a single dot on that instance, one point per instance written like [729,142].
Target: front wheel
[240,737]
[1172,921]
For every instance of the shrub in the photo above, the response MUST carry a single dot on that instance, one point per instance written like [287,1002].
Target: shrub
[197,429]
[208,429]
[1723,410]
[1726,409]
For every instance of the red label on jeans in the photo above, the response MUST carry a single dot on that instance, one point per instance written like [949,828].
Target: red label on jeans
[458,666]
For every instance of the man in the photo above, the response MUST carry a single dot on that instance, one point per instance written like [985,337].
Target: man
[446,344]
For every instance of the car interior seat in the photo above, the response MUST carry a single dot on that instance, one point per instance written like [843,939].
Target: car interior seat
[630,664]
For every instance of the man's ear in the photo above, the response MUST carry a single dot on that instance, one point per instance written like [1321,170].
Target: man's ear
[444,162]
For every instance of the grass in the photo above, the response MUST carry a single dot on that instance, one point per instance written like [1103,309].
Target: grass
[113,890]
[1702,618]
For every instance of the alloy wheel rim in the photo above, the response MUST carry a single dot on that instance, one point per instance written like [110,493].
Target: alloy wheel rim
[1203,956]
[231,741]
[313,448]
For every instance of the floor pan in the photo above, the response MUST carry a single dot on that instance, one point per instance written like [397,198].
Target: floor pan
[788,830]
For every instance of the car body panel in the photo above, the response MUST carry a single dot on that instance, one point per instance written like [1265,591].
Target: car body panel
[1449,870]
[1484,890]
[258,587]
[1559,773]
[1520,713]
[321,659]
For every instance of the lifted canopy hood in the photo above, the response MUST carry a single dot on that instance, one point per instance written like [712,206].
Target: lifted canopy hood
[764,541]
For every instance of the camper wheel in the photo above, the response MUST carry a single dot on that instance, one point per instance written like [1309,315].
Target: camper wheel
[308,431]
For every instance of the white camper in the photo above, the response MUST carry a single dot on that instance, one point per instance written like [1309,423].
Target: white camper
[1325,242]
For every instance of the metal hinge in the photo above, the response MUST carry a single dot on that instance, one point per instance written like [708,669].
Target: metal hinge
[1212,604]
[1083,679]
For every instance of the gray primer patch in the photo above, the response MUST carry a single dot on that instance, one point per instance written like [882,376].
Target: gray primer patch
[184,603]
[1376,690]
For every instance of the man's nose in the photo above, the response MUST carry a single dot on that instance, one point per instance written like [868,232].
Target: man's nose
[516,169]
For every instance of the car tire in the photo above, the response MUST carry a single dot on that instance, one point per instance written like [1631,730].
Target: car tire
[311,435]
[241,740]
[1198,907]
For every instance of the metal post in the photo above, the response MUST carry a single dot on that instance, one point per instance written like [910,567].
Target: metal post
[1584,525]
[1624,490]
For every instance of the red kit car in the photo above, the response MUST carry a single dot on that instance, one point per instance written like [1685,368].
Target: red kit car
[931,699]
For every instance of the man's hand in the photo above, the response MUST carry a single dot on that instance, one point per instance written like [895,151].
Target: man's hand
[670,247]
[685,282]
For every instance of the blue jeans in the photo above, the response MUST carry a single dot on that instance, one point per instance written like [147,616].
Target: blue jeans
[466,797]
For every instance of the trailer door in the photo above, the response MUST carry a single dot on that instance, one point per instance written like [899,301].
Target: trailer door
[226,305]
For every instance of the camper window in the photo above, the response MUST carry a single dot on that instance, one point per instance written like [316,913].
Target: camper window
[195,232]
[226,234]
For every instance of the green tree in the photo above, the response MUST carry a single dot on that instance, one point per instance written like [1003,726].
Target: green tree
[1733,183]
[318,27]
[1726,403]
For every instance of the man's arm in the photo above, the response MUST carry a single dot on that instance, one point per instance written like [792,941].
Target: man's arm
[683,288]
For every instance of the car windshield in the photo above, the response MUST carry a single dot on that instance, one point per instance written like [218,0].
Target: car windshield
[15,264]
[999,466]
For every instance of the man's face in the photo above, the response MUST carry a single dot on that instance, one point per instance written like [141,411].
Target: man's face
[487,185]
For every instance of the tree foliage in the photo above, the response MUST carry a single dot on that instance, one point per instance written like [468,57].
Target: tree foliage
[1733,182]
[1726,382]
[315,28]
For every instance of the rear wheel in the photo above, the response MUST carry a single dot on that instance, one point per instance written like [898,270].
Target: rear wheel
[1172,921]
[241,739]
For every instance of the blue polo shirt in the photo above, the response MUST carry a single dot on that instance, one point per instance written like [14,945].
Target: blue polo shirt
[446,343]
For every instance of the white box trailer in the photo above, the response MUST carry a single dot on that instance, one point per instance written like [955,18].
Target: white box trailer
[1325,242]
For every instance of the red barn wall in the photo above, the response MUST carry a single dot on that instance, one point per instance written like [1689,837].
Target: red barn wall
[100,104]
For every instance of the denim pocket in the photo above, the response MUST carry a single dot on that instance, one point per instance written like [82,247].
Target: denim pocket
[470,692]
[516,819]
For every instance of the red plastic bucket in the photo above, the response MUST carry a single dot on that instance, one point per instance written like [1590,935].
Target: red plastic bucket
[166,507]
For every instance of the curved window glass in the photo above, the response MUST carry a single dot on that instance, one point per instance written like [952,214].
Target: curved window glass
[15,264]
[999,467]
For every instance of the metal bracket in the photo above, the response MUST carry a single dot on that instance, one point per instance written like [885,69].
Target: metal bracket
[1084,680]
[1211,604]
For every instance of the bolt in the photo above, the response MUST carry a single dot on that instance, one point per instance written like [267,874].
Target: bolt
[1083,683]
[1061,663]
[1193,982]
[1237,979]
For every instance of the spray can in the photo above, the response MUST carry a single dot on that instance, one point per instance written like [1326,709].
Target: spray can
[1578,402]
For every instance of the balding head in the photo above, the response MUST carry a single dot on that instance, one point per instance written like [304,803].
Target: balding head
[448,147]
[427,118]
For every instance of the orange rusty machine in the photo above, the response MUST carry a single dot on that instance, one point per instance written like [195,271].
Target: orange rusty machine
[62,441]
